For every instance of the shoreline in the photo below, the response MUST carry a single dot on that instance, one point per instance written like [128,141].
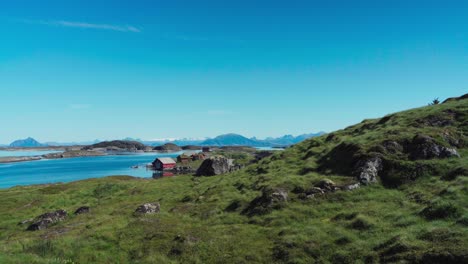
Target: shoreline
[70,155]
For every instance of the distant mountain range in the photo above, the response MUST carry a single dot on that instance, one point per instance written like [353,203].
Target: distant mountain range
[83,143]
[239,140]
[222,140]
[234,140]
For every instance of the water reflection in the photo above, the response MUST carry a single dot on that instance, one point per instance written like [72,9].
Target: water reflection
[160,174]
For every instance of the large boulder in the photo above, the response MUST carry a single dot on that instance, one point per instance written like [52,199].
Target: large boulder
[215,166]
[368,170]
[425,147]
[43,221]
[148,208]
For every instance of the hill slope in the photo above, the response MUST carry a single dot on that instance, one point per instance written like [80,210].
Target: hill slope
[28,142]
[408,172]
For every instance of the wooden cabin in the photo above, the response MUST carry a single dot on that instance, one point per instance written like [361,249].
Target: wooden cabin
[206,149]
[198,156]
[184,158]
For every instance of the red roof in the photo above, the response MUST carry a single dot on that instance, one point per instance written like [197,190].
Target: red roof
[166,160]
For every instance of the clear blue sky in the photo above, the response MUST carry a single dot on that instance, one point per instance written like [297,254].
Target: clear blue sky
[81,70]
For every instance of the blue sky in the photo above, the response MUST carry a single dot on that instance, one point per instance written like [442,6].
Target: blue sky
[83,70]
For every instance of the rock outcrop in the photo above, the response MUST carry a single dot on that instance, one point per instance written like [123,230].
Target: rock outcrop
[326,184]
[269,200]
[425,147]
[44,221]
[368,170]
[148,208]
[215,166]
[465,96]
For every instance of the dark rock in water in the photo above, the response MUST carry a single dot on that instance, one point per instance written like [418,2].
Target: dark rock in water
[269,200]
[215,166]
[148,208]
[368,170]
[43,221]
[82,210]
[425,147]
[326,184]
[191,147]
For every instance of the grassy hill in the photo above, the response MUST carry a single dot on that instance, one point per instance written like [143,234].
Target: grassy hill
[283,209]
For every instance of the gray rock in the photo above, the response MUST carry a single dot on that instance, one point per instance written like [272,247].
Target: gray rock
[82,210]
[148,208]
[449,152]
[44,221]
[352,187]
[392,146]
[215,166]
[368,170]
[279,195]
[326,184]
[27,221]
[315,190]
[269,200]
[425,147]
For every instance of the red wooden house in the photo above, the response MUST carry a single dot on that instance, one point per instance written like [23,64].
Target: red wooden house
[164,164]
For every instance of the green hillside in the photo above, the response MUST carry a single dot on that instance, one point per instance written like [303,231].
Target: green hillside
[393,189]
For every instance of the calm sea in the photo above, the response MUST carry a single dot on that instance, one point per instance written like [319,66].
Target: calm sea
[67,170]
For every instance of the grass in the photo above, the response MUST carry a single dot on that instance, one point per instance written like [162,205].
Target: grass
[422,218]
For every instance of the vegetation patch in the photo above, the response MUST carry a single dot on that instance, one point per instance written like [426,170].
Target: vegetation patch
[441,210]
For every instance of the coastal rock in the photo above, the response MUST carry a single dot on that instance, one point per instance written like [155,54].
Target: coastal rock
[126,145]
[215,166]
[148,208]
[44,221]
[169,147]
[368,170]
[82,210]
[18,159]
[425,147]
[73,154]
